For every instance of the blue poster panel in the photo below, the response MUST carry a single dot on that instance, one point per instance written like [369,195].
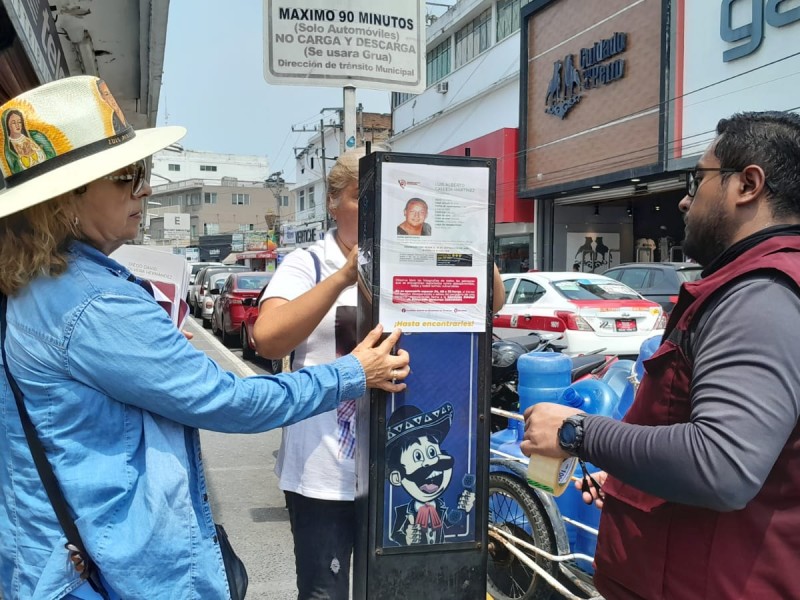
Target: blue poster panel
[431,428]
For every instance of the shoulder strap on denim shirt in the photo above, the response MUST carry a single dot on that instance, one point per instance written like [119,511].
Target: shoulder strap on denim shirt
[46,473]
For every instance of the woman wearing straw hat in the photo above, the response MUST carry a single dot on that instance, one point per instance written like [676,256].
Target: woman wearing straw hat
[114,392]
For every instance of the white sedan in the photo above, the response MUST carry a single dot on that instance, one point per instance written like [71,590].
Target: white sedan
[591,312]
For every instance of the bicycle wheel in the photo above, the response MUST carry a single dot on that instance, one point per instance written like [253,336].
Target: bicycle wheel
[514,508]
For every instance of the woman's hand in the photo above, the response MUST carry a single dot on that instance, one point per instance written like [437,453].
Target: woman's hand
[349,270]
[382,368]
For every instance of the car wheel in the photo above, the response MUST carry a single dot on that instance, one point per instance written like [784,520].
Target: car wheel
[247,352]
[206,322]
[214,328]
[227,339]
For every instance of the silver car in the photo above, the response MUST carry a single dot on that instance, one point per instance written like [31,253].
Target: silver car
[204,304]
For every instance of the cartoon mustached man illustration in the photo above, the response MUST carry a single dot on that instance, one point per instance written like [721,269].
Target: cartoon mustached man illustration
[416,462]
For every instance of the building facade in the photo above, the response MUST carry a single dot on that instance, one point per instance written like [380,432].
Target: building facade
[313,162]
[472,103]
[119,41]
[619,98]
[178,164]
[612,102]
[217,203]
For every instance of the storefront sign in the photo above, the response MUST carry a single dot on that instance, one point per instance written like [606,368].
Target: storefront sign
[356,42]
[715,78]
[567,82]
[37,31]
[761,12]
[308,234]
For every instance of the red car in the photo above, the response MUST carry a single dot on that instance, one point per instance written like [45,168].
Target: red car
[229,311]
[248,347]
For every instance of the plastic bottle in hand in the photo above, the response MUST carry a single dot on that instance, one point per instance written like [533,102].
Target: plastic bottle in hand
[543,376]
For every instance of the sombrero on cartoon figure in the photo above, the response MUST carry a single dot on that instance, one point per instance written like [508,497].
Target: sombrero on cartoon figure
[65,134]
[408,420]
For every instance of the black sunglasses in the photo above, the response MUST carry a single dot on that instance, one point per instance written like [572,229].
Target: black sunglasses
[136,173]
[692,182]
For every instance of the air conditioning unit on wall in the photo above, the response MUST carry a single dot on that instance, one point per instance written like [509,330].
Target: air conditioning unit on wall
[442,87]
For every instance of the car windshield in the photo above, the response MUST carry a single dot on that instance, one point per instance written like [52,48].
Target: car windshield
[252,282]
[688,275]
[219,280]
[595,289]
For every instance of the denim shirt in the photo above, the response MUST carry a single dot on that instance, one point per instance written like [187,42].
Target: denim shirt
[116,394]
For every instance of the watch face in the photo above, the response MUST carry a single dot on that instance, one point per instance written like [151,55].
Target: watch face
[567,434]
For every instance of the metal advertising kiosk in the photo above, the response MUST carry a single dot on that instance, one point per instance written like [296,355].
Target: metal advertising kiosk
[425,245]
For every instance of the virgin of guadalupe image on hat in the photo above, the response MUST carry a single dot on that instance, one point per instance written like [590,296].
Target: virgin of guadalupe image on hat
[428,502]
[65,134]
[26,140]
[116,119]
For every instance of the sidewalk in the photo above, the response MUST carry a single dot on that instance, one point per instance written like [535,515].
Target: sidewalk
[243,490]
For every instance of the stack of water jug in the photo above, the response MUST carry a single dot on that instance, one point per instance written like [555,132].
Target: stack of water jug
[547,377]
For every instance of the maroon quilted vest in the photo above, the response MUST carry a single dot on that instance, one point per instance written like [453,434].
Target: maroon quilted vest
[653,549]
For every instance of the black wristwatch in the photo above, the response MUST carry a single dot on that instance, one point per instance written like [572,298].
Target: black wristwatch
[570,434]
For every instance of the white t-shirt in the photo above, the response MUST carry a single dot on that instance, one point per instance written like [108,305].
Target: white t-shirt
[316,455]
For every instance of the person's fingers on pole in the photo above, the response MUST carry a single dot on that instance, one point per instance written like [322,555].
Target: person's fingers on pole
[372,337]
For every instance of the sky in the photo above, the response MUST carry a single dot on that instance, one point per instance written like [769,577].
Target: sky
[214,85]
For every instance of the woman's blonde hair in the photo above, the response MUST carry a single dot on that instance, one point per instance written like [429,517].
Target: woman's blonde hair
[345,172]
[35,241]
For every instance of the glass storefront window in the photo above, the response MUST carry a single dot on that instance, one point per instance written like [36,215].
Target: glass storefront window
[512,254]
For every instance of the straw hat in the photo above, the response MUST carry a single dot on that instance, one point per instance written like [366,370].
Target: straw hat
[65,134]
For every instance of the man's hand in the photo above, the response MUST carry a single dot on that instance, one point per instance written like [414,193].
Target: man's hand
[542,422]
[593,495]
[383,369]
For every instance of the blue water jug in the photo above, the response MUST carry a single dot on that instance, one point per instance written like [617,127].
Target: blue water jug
[591,396]
[586,542]
[542,377]
[594,397]
[646,350]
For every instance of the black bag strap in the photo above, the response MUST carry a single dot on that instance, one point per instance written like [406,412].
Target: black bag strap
[317,267]
[45,470]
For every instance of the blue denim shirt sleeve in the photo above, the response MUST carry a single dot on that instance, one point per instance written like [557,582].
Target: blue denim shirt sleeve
[129,349]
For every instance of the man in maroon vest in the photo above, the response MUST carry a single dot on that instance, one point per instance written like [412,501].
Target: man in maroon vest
[701,489]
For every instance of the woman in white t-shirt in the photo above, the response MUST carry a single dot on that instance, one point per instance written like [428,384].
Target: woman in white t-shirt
[310,307]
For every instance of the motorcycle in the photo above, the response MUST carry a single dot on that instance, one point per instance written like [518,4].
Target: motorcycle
[539,544]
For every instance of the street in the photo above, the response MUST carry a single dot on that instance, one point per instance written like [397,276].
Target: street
[244,490]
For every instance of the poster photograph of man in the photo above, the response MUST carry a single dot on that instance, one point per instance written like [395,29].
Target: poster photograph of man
[415,213]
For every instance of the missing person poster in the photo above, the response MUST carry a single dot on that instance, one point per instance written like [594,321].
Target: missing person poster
[433,247]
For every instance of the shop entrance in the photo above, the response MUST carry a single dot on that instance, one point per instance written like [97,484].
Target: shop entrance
[595,236]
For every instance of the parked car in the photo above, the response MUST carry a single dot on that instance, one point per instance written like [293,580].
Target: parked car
[591,312]
[659,282]
[229,310]
[205,301]
[251,307]
[191,297]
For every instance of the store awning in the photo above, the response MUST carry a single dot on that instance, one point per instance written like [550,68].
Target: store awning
[256,254]
[230,259]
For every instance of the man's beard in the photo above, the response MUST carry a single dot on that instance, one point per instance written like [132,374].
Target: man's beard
[708,236]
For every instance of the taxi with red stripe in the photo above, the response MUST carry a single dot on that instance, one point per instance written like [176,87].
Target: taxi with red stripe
[589,312]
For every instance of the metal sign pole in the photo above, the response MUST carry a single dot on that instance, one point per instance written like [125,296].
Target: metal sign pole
[425,239]
[349,120]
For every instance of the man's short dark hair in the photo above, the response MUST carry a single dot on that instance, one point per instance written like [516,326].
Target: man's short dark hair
[770,140]
[418,201]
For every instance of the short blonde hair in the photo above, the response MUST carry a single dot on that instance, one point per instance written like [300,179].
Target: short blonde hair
[345,172]
[35,242]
